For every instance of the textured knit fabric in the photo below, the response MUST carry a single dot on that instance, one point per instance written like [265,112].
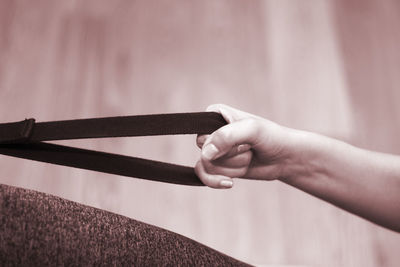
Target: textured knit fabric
[38,229]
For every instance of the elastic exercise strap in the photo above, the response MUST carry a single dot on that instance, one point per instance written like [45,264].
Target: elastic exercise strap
[24,140]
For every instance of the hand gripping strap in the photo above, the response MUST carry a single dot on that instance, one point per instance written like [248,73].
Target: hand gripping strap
[32,147]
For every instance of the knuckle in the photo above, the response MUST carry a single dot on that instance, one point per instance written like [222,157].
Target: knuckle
[252,123]
[255,124]
[224,134]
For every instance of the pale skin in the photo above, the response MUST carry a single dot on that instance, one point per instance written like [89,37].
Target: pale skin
[362,182]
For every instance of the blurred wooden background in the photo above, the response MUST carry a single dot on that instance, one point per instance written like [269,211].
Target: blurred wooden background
[326,66]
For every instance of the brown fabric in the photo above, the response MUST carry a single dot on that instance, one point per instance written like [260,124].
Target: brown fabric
[38,229]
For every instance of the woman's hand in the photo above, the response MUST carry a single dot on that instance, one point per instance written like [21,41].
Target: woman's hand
[247,147]
[363,182]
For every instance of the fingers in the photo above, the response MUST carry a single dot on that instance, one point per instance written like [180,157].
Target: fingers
[201,139]
[235,161]
[212,180]
[239,149]
[227,152]
[217,173]
[222,141]
[230,114]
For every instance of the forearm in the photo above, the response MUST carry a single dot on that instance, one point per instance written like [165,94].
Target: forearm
[363,182]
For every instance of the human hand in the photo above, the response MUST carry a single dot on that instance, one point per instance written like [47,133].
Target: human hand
[247,147]
[363,182]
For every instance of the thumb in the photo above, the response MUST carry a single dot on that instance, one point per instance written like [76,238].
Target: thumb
[235,134]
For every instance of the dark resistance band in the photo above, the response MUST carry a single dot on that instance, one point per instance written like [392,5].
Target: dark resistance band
[24,139]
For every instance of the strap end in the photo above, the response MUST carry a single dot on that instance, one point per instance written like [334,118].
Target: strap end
[16,132]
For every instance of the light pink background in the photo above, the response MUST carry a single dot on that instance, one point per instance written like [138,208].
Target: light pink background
[326,66]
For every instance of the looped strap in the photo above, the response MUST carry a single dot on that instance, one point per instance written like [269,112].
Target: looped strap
[25,139]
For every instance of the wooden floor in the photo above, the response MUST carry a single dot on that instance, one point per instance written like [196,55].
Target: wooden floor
[326,66]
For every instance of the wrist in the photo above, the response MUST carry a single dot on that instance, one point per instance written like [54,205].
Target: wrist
[308,156]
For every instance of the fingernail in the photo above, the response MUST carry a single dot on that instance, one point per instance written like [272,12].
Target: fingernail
[210,151]
[226,183]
